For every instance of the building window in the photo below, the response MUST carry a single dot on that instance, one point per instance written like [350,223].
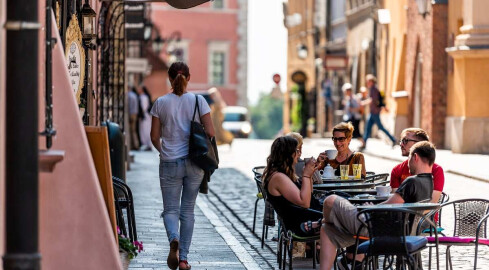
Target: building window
[217,4]
[217,66]
[218,58]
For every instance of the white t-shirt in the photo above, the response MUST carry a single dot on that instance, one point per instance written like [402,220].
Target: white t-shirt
[175,113]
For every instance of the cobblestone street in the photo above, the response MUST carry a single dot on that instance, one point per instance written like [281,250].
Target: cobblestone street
[223,238]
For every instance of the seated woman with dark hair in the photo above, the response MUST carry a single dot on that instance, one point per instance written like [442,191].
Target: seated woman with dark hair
[279,183]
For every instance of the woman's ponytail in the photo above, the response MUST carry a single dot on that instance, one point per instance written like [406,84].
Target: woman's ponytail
[179,73]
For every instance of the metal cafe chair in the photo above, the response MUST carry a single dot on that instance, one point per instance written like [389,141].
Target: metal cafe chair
[288,237]
[469,226]
[377,179]
[257,171]
[389,234]
[124,200]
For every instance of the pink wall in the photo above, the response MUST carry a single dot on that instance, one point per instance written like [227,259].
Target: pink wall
[205,25]
[75,230]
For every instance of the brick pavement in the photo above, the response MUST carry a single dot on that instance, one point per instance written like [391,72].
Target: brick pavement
[208,250]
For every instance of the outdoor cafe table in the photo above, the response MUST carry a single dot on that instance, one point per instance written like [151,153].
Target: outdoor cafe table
[338,180]
[335,186]
[418,207]
[353,192]
[373,199]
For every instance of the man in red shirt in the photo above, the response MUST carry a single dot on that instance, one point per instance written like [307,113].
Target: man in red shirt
[410,136]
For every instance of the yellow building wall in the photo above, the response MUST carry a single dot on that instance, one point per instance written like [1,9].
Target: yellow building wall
[455,97]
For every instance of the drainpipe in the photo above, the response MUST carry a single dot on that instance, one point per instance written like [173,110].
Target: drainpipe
[22,88]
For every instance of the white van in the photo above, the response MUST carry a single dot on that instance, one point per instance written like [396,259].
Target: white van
[236,121]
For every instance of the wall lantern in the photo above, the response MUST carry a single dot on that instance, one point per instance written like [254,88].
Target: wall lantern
[423,6]
[88,23]
[148,29]
[302,51]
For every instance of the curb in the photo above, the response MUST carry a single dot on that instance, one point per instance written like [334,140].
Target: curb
[446,171]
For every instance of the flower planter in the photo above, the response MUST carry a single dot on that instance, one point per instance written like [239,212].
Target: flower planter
[124,260]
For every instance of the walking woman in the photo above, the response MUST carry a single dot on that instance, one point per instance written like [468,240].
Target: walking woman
[179,177]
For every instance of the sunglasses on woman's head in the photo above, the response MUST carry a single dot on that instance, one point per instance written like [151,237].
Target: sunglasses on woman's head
[340,139]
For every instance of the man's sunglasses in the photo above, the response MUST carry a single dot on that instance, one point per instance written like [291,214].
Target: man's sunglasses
[340,139]
[406,140]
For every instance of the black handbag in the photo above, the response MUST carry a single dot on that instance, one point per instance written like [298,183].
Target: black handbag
[202,149]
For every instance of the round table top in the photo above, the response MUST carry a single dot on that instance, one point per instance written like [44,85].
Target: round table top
[342,185]
[370,191]
[338,180]
[372,199]
[410,206]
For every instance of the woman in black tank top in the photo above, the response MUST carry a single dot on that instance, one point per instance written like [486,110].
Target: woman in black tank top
[279,183]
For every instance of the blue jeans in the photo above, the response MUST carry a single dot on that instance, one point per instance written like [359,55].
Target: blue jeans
[375,119]
[179,181]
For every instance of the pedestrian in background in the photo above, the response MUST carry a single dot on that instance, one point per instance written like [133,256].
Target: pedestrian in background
[133,104]
[376,102]
[144,118]
[180,179]
[351,110]
[364,111]
[222,136]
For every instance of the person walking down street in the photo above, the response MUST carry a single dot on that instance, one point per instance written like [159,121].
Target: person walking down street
[180,178]
[133,104]
[376,102]
[222,136]
[144,118]
[352,108]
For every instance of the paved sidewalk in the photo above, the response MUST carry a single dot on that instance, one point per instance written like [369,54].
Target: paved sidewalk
[213,246]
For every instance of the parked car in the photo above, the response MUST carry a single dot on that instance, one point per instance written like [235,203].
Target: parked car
[236,121]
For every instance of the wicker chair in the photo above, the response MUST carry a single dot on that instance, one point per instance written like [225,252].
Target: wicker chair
[468,229]
[389,234]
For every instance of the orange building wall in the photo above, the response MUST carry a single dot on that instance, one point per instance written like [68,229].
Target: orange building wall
[455,99]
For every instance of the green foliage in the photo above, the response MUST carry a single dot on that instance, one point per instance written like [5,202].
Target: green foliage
[266,117]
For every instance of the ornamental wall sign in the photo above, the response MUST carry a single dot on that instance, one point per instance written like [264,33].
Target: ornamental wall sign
[75,57]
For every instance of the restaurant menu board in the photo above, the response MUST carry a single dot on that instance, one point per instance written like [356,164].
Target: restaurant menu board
[75,57]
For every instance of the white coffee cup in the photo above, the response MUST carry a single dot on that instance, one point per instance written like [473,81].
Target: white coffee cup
[331,154]
[383,190]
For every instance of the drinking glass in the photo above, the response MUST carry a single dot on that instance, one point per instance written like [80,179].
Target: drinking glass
[344,172]
[357,171]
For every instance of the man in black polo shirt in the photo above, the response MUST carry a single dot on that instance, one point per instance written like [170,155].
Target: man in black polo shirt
[340,216]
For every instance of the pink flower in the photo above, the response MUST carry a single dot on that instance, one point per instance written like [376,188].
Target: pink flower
[139,245]
[118,230]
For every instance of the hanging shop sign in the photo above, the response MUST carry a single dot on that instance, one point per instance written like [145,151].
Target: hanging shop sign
[134,21]
[75,57]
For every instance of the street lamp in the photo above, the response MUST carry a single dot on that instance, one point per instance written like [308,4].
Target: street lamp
[159,42]
[88,23]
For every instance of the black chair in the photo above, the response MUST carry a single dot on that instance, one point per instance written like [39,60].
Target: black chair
[288,237]
[377,179]
[124,200]
[257,171]
[389,233]
[469,226]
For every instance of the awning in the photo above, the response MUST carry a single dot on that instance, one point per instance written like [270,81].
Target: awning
[180,4]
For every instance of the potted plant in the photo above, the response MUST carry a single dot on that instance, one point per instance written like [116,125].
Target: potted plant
[128,249]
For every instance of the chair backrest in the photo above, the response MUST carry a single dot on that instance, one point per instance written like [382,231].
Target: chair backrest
[467,214]
[443,198]
[387,229]
[258,170]
[377,177]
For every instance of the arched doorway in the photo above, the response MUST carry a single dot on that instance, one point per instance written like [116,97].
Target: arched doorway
[111,58]
[298,103]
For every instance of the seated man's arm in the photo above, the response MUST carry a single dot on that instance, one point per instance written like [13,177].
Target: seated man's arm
[435,196]
[395,198]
